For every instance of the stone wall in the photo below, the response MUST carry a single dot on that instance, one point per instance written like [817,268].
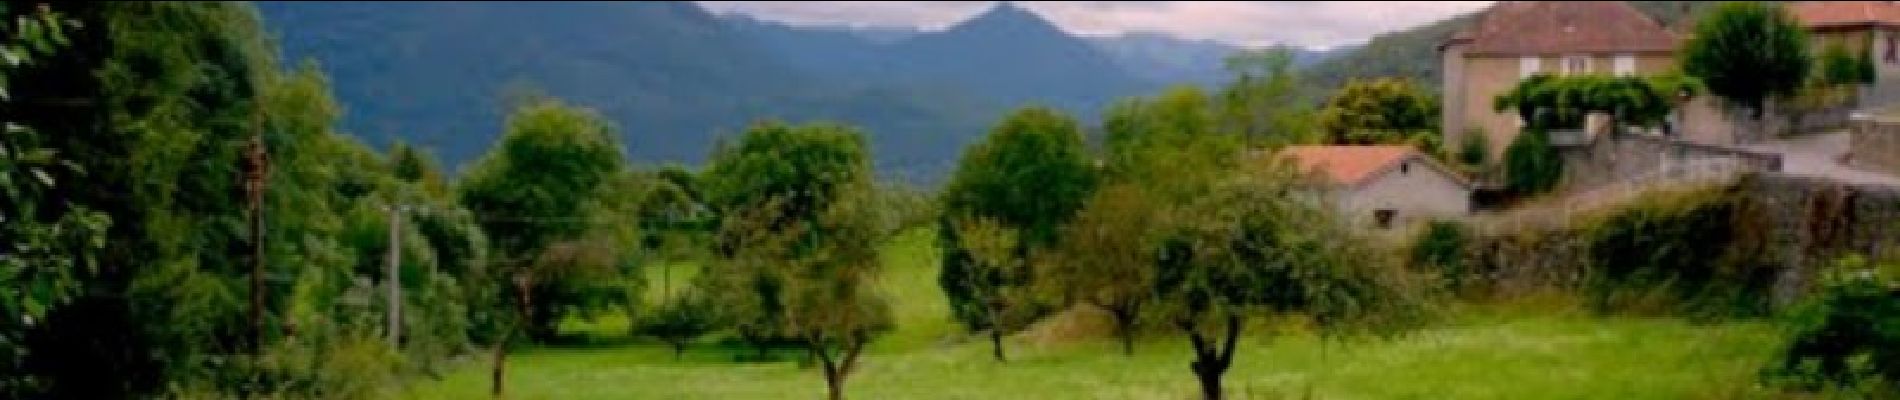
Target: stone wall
[1875,143]
[1811,222]
[1816,221]
[1625,156]
[1710,120]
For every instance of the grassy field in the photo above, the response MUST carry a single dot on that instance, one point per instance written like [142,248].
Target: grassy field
[1536,352]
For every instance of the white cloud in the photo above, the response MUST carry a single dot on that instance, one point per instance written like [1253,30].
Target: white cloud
[1252,23]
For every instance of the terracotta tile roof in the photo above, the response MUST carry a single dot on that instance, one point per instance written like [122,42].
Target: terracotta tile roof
[1549,27]
[1818,14]
[1354,165]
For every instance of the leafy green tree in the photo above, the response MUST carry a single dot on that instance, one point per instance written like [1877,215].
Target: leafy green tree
[835,308]
[1107,257]
[776,177]
[46,245]
[1748,52]
[1150,141]
[153,107]
[993,259]
[151,104]
[539,195]
[1379,111]
[1253,247]
[798,241]
[1029,175]
[1265,103]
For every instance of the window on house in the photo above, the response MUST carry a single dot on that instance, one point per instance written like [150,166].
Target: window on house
[1576,65]
[1625,65]
[1528,65]
[1383,218]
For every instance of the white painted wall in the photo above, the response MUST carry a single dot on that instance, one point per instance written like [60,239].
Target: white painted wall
[1421,192]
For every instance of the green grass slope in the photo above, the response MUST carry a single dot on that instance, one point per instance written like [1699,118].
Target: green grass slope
[1485,353]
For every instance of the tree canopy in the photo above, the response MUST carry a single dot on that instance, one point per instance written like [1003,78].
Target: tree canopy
[1748,52]
[1379,111]
[1029,175]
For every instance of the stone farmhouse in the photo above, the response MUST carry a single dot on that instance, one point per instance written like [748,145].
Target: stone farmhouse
[1384,186]
[1513,40]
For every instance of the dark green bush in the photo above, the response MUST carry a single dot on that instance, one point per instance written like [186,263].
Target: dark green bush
[1847,337]
[1531,165]
[1440,248]
[1475,148]
[679,321]
[1700,248]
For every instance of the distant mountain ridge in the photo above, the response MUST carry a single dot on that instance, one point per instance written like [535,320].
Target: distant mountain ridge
[674,77]
[1167,58]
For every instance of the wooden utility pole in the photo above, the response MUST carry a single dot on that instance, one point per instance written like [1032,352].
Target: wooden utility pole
[257,167]
[394,276]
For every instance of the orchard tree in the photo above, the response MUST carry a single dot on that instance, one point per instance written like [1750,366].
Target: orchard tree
[1029,175]
[541,190]
[774,178]
[798,241]
[993,262]
[1254,247]
[1107,257]
[835,308]
[537,195]
[1748,52]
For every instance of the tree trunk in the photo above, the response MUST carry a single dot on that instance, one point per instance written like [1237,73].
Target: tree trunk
[996,343]
[1128,340]
[1210,380]
[1211,362]
[1125,328]
[522,299]
[834,386]
[679,349]
[834,375]
[501,362]
[996,334]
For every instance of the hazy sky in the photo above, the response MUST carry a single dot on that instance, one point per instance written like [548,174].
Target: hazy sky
[1249,23]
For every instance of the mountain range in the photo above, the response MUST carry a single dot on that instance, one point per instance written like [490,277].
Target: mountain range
[675,78]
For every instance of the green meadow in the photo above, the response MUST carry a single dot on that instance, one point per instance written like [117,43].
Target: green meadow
[1534,348]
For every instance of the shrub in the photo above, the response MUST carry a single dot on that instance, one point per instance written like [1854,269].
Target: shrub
[1699,250]
[1840,66]
[1531,165]
[1440,248]
[678,321]
[1475,148]
[1847,337]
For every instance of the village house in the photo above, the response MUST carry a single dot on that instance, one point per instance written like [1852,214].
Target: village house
[1513,40]
[1383,186]
[1869,28]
